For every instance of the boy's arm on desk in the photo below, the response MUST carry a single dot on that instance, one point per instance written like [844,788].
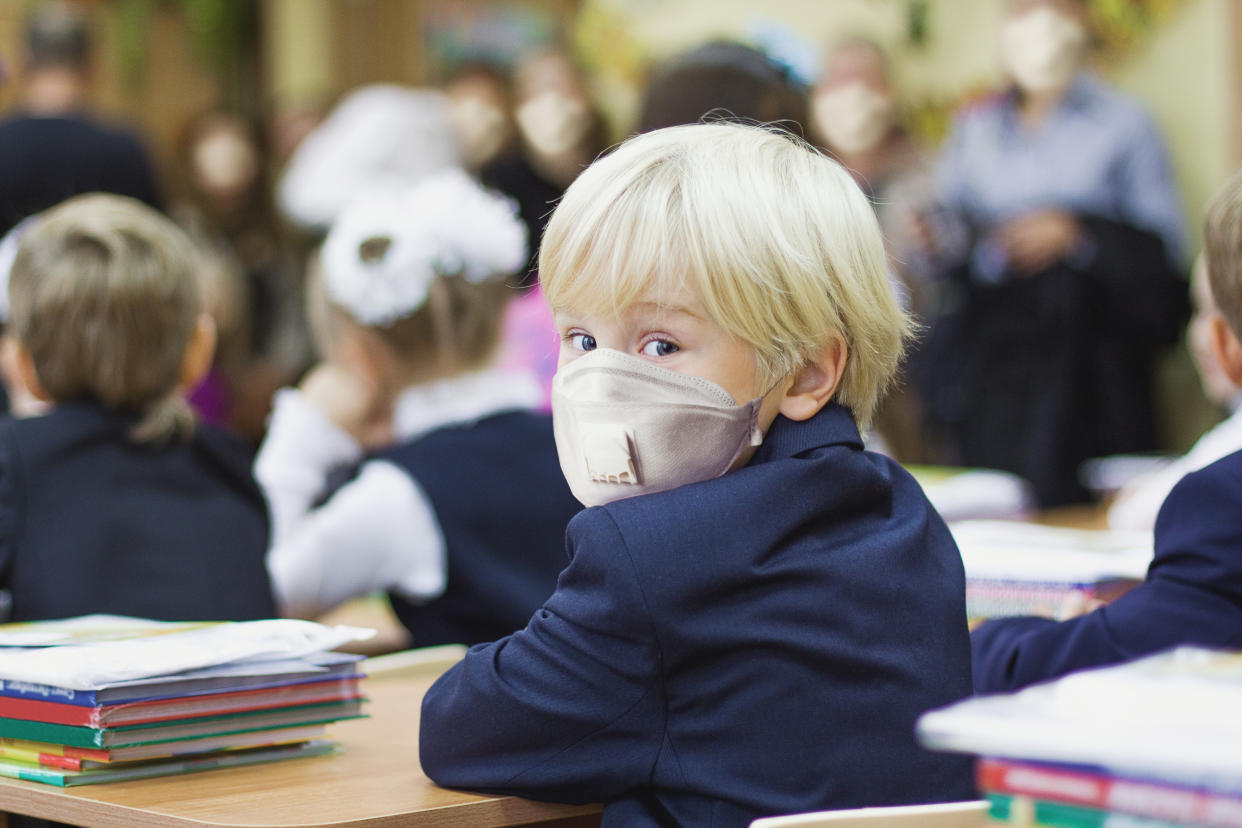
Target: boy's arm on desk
[568,709]
[1189,597]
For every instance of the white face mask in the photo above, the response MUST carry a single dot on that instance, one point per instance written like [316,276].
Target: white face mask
[626,427]
[552,123]
[852,118]
[1042,49]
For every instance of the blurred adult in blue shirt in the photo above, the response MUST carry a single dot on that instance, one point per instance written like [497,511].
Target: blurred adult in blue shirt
[1060,242]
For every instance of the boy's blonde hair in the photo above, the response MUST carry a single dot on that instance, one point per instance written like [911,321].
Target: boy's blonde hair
[1222,240]
[775,238]
[103,295]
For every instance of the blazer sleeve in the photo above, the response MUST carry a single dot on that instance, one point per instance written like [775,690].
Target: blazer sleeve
[10,511]
[1192,595]
[568,709]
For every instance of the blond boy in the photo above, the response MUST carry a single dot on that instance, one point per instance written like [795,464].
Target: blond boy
[758,609]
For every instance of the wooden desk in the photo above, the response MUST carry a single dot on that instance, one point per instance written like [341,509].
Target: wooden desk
[376,782]
[1075,517]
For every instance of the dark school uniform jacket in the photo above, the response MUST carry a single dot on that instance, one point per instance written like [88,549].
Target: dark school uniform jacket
[502,504]
[45,159]
[90,522]
[1192,595]
[757,644]
[1039,373]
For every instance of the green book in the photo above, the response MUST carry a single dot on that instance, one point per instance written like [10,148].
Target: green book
[167,767]
[1025,810]
[109,737]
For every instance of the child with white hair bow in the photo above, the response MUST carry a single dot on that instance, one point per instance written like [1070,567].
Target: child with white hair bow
[457,506]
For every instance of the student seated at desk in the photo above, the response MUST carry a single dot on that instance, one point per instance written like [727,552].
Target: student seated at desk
[756,609]
[460,509]
[1138,502]
[1193,590]
[115,500]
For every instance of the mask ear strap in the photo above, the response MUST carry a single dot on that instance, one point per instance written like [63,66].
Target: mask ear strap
[756,433]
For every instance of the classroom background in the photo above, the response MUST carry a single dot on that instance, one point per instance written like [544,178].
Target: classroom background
[279,66]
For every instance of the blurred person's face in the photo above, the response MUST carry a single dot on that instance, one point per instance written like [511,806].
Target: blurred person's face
[852,105]
[1043,43]
[478,112]
[552,112]
[224,162]
[1217,386]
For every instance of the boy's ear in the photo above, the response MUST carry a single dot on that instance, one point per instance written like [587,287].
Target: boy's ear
[815,383]
[18,366]
[199,352]
[1226,349]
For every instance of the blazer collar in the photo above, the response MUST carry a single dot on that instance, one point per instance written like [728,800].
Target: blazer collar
[833,425]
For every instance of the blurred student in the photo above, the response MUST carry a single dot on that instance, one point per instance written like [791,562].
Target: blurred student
[457,507]
[1138,502]
[756,609]
[228,210]
[854,116]
[116,501]
[1062,277]
[559,130]
[726,79]
[1193,591]
[551,131]
[51,149]
[481,111]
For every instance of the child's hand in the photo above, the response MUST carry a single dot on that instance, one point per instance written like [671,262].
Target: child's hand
[357,406]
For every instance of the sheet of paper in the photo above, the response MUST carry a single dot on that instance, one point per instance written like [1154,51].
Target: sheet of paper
[92,666]
[1172,716]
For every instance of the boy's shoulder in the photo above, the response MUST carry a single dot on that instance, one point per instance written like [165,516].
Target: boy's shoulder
[1221,479]
[827,496]
[62,422]
[1225,469]
[1204,495]
[86,432]
[1199,528]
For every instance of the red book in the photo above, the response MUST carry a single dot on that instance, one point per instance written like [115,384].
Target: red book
[1097,789]
[159,710]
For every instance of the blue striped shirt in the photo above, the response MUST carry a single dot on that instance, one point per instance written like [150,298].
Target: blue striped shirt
[1097,153]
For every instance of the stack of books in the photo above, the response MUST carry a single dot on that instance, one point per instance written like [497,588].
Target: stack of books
[105,698]
[1150,743]
[1017,568]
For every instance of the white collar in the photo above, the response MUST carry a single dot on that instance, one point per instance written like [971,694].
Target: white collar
[464,399]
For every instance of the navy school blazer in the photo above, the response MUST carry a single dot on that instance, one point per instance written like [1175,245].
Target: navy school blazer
[90,522]
[1192,595]
[757,644]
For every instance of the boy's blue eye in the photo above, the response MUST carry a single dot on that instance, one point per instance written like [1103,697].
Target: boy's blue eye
[659,348]
[582,341]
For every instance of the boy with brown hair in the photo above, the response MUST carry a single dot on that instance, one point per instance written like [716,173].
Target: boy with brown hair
[116,501]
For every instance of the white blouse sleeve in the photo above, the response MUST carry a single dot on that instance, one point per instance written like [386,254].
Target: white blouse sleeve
[378,531]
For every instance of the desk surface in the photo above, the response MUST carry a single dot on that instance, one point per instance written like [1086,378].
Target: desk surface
[375,782]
